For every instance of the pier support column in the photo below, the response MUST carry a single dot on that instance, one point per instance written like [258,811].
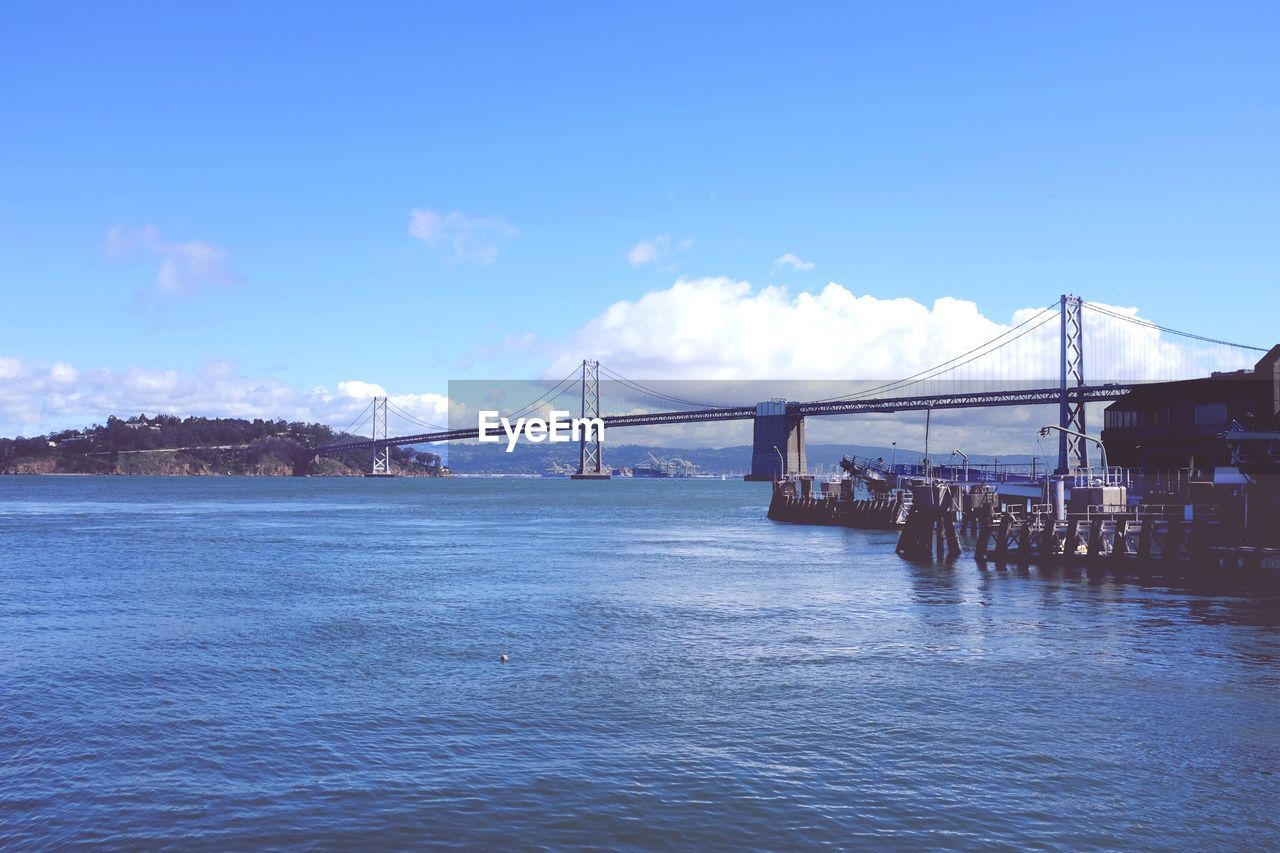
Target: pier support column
[777,447]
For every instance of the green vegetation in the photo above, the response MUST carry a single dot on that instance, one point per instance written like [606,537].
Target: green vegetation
[167,445]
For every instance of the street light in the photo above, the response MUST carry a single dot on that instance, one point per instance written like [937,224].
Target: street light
[928,415]
[1061,480]
[1044,432]
[782,463]
[893,458]
[966,462]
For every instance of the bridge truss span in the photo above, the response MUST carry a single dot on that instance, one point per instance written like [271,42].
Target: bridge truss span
[974,400]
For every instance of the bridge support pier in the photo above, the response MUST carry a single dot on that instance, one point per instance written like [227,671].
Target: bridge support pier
[591,444]
[777,446]
[380,465]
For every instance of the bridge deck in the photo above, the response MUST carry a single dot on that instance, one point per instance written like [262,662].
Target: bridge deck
[881,405]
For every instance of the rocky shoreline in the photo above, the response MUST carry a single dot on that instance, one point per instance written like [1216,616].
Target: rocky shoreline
[176,463]
[168,446]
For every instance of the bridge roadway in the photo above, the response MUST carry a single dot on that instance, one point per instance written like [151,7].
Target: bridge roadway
[878,405]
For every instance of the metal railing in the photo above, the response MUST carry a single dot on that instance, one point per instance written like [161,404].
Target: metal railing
[1109,476]
[1152,511]
[1133,512]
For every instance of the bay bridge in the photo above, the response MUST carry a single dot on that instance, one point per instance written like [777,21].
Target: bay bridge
[1049,342]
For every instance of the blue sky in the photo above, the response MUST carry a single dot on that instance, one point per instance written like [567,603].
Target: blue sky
[233,184]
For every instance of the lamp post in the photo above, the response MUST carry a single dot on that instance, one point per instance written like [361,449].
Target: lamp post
[893,458]
[1044,431]
[966,462]
[928,415]
[782,463]
[1060,491]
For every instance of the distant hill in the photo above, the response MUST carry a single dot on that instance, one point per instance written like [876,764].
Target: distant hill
[167,445]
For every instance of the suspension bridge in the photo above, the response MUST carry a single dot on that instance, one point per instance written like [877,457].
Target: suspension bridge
[1008,369]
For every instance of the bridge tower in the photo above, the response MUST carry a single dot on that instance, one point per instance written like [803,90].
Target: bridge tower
[1071,449]
[777,444]
[381,463]
[591,442]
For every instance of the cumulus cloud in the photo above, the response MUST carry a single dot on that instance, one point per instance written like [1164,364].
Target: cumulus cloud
[63,374]
[722,328]
[475,239]
[184,268]
[656,250]
[39,398]
[793,261]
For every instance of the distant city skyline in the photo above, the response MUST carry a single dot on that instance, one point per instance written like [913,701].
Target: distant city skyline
[280,211]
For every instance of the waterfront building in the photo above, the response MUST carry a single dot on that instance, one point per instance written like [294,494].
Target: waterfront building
[1179,426]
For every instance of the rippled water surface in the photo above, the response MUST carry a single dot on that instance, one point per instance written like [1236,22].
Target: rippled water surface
[247,662]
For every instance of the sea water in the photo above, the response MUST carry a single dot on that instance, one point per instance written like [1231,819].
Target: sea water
[240,662]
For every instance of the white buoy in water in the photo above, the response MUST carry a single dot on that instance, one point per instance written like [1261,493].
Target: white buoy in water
[504,658]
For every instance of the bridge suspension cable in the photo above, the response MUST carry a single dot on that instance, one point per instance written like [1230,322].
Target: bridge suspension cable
[360,419]
[980,351]
[403,415]
[1130,348]
[547,398]
[1147,324]
[644,389]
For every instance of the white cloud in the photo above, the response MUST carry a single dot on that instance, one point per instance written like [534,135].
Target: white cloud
[465,238]
[63,374]
[793,261]
[185,268]
[10,368]
[656,250]
[721,328]
[363,390]
[36,398]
